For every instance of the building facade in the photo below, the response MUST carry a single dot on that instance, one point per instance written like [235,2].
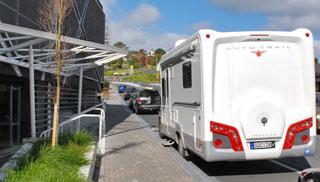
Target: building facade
[86,20]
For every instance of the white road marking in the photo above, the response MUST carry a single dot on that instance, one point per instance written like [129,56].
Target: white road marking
[286,166]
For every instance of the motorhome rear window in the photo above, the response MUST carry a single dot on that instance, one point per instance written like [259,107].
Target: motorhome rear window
[186,75]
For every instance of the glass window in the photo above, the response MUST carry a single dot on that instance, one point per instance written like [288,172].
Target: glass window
[186,75]
[163,91]
[167,83]
[149,93]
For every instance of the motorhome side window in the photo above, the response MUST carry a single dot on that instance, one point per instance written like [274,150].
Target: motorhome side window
[164,91]
[186,75]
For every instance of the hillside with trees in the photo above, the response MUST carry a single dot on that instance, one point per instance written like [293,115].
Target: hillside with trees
[138,66]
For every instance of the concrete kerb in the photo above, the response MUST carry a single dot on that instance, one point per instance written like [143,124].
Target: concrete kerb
[29,148]
[87,171]
[92,156]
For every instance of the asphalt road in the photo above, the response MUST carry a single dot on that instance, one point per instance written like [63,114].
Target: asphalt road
[265,170]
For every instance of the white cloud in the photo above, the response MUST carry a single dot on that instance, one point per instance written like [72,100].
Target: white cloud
[107,4]
[132,30]
[285,14]
[200,25]
[272,6]
[138,38]
[310,21]
[144,14]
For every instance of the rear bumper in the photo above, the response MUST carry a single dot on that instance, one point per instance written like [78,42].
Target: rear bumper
[300,151]
[212,154]
[148,107]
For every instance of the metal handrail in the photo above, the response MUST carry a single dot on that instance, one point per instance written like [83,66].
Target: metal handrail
[76,118]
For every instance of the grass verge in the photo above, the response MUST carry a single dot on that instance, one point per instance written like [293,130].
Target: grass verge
[119,71]
[138,76]
[141,77]
[61,163]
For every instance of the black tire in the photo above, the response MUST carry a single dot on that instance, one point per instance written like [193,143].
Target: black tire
[131,106]
[161,135]
[137,111]
[182,150]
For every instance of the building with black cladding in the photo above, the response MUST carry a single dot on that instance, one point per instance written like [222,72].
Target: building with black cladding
[85,20]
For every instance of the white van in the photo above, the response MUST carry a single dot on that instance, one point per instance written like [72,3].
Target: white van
[240,95]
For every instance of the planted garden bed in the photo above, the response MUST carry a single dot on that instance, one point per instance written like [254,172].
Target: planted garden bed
[61,163]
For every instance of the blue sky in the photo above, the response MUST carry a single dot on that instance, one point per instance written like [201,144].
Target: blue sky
[150,24]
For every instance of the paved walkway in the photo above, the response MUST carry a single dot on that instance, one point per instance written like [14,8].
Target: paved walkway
[130,153]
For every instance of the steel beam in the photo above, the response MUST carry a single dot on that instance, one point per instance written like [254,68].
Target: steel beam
[22,45]
[80,96]
[32,94]
[9,60]
[96,54]
[16,38]
[109,59]
[14,67]
[51,36]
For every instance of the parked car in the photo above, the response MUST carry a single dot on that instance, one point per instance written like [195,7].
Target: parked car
[122,88]
[312,174]
[145,100]
[129,93]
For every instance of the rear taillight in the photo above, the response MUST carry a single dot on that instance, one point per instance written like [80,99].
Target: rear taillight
[138,100]
[294,129]
[305,139]
[229,131]
[218,143]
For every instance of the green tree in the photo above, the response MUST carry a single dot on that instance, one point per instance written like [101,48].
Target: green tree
[119,62]
[159,51]
[121,45]
[154,60]
[133,59]
[142,57]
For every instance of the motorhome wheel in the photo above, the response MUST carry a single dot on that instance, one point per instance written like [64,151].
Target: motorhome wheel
[182,150]
[160,132]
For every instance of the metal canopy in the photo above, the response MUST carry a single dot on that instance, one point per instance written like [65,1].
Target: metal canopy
[16,43]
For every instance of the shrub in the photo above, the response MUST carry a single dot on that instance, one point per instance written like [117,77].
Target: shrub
[81,138]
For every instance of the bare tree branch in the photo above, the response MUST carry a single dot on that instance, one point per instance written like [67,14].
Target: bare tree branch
[52,15]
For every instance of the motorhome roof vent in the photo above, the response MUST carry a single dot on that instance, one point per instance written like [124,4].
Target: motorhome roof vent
[179,42]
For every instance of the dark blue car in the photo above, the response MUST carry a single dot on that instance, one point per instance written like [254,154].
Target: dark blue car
[122,88]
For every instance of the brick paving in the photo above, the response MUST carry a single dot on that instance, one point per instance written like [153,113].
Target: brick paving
[130,154]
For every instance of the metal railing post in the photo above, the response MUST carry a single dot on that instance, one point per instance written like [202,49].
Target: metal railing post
[80,96]
[32,94]
[75,118]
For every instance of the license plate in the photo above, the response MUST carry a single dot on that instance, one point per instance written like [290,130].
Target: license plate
[262,145]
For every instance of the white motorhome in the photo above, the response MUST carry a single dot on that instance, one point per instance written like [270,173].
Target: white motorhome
[240,95]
